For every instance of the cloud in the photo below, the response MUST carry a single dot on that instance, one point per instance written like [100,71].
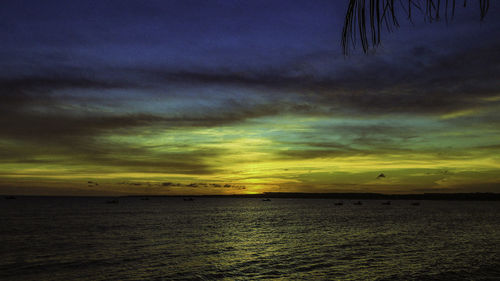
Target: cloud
[462,188]
[92,183]
[311,153]
[404,84]
[79,153]
[49,83]
[60,117]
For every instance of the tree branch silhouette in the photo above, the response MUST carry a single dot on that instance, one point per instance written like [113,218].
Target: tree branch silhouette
[365,19]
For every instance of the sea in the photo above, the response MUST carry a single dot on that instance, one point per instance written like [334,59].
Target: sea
[168,238]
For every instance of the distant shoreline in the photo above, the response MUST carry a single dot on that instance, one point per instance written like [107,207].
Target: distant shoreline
[354,196]
[479,196]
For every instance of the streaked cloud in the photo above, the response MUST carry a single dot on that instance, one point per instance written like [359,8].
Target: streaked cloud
[276,107]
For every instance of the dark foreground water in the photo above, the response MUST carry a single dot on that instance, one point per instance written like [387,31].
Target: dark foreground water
[245,239]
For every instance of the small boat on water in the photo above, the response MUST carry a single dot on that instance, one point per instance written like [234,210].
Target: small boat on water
[114,201]
[188,199]
[10,197]
[358,203]
[144,198]
[266,200]
[338,203]
[386,203]
[415,204]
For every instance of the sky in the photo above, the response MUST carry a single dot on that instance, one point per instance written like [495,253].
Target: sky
[241,97]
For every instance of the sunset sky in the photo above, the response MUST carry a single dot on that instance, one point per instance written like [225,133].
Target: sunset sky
[228,97]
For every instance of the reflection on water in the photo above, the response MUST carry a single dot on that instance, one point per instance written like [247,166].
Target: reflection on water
[231,238]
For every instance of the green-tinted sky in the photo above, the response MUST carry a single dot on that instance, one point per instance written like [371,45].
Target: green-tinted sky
[223,97]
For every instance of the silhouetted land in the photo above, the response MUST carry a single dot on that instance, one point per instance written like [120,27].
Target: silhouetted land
[379,196]
[359,196]
[481,196]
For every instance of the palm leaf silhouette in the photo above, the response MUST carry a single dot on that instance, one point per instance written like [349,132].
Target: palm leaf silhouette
[365,19]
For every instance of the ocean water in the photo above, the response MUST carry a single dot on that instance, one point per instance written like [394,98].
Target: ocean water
[247,239]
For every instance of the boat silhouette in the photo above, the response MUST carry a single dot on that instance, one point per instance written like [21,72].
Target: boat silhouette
[358,203]
[386,203]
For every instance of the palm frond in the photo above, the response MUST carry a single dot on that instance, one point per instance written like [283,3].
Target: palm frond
[365,19]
